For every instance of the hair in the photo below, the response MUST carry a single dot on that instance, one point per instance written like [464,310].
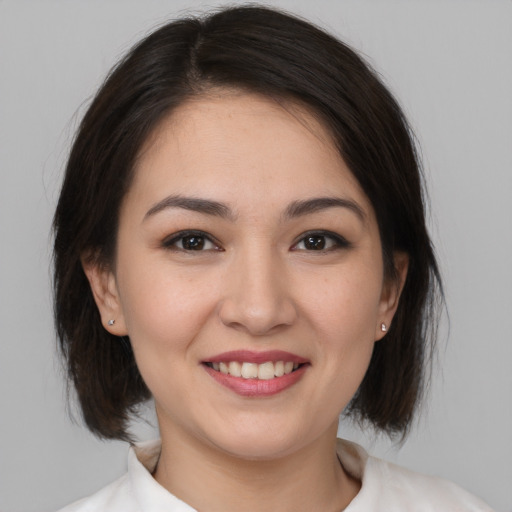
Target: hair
[277,55]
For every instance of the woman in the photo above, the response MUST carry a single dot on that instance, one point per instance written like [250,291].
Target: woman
[241,227]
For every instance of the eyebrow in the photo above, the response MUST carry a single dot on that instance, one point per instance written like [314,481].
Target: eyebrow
[316,204]
[215,208]
[195,204]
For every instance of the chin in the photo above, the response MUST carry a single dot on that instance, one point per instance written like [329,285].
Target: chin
[264,443]
[258,449]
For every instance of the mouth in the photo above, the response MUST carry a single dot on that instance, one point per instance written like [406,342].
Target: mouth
[256,373]
[247,370]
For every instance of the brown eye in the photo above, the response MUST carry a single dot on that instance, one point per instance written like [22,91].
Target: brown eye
[321,241]
[187,241]
[193,243]
[314,243]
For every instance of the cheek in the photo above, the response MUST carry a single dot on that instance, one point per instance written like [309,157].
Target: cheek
[164,318]
[345,302]
[344,316]
[163,310]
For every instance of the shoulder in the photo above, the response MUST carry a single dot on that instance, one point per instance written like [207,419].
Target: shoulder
[386,486]
[123,495]
[427,493]
[136,491]
[114,497]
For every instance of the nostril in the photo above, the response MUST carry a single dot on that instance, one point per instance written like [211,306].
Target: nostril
[257,319]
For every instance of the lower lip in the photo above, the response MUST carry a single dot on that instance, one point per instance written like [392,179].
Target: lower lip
[257,387]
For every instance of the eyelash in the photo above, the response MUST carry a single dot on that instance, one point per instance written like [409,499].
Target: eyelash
[171,242]
[337,241]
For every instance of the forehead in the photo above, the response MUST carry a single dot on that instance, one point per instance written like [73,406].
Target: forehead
[237,145]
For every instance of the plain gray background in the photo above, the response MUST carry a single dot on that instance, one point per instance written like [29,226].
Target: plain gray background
[450,64]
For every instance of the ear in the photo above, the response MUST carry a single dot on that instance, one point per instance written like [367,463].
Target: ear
[104,289]
[391,290]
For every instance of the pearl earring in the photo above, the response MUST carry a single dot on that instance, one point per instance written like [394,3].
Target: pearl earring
[383,327]
[111,322]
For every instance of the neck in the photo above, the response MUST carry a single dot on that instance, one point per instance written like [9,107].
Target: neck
[206,478]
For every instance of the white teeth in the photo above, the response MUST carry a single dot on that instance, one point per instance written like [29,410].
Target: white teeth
[264,371]
[235,369]
[288,367]
[249,370]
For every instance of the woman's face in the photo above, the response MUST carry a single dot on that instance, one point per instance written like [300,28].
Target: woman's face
[245,240]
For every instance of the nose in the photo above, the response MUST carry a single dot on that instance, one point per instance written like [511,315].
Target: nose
[258,298]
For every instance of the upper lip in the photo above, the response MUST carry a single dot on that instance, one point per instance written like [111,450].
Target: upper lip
[249,356]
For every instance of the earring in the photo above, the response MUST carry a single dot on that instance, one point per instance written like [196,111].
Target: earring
[383,327]
[111,322]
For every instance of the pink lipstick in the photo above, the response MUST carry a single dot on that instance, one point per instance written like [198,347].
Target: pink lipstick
[250,373]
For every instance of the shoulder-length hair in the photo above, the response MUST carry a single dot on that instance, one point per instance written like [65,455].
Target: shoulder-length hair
[277,55]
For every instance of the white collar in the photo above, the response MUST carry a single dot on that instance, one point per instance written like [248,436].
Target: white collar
[152,497]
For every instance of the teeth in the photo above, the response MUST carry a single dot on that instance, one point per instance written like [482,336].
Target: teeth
[265,371]
[249,370]
[235,369]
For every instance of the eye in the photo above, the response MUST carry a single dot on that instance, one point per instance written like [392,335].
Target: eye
[320,241]
[190,241]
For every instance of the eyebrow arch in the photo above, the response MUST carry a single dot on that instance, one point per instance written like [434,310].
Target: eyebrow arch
[195,204]
[316,204]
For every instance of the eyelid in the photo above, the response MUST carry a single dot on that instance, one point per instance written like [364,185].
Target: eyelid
[169,241]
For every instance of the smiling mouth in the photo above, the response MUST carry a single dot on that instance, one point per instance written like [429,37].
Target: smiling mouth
[265,371]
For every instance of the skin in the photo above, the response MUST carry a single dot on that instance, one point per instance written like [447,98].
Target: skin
[255,285]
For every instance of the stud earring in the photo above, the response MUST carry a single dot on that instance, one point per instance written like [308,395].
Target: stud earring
[383,327]
[111,322]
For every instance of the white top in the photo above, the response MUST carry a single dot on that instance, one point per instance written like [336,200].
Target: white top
[385,487]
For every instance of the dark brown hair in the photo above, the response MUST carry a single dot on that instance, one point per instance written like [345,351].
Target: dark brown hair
[277,55]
